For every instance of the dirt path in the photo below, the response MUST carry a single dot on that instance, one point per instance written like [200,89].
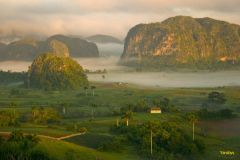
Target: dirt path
[48,137]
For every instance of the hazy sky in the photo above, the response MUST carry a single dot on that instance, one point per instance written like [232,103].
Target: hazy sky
[114,17]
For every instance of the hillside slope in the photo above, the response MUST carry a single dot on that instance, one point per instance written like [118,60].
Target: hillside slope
[62,150]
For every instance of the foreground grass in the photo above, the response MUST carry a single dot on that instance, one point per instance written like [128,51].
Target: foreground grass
[64,150]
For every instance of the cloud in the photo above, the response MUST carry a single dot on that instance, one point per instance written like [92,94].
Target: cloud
[113,17]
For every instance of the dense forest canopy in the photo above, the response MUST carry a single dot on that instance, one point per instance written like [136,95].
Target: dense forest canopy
[51,72]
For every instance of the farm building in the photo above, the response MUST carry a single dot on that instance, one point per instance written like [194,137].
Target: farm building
[155,110]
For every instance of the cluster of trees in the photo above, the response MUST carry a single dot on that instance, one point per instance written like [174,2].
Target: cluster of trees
[144,106]
[211,107]
[219,114]
[42,115]
[99,71]
[51,72]
[89,87]
[9,118]
[12,77]
[141,106]
[38,115]
[21,147]
[160,140]
[165,104]
[216,98]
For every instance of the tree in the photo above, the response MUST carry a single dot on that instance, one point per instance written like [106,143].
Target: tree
[63,107]
[226,113]
[8,118]
[151,128]
[193,119]
[141,106]
[127,116]
[93,88]
[216,97]
[21,147]
[93,105]
[42,115]
[85,88]
[165,102]
[160,140]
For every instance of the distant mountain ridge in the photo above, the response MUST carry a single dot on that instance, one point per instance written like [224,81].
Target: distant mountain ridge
[183,40]
[78,47]
[100,38]
[29,48]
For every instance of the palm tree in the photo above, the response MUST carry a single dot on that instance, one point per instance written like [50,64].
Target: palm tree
[193,119]
[93,88]
[93,107]
[85,88]
[152,128]
[127,116]
[117,123]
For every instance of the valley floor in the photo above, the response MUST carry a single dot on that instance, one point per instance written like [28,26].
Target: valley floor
[218,134]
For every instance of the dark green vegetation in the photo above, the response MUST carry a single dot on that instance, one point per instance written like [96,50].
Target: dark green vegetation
[99,38]
[12,77]
[102,111]
[169,140]
[29,48]
[51,72]
[186,42]
[21,147]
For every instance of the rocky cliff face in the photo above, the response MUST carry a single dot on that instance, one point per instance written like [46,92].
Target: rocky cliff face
[28,49]
[184,40]
[56,47]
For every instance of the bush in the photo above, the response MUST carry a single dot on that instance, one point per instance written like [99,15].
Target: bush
[22,147]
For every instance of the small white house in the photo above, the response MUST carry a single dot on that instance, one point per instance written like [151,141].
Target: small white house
[155,110]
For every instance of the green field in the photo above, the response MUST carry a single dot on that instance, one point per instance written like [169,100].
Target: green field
[217,134]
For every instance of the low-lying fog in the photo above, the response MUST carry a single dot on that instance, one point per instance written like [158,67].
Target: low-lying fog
[152,79]
[110,49]
[172,79]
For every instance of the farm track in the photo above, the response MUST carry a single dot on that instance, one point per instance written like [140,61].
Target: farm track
[48,137]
